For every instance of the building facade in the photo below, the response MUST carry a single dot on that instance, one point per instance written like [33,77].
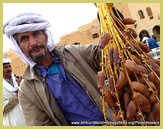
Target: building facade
[85,34]
[147,16]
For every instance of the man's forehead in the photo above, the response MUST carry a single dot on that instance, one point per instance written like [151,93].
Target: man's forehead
[6,64]
[26,33]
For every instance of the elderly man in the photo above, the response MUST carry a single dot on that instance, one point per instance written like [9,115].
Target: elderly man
[12,113]
[60,85]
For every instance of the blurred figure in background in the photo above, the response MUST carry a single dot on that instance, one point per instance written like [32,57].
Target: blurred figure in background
[12,113]
[151,42]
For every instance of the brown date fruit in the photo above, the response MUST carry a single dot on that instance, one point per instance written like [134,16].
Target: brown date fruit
[142,101]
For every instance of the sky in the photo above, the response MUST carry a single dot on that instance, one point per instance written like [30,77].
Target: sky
[64,17]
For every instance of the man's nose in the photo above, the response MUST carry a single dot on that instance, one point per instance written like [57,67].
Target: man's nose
[32,41]
[9,68]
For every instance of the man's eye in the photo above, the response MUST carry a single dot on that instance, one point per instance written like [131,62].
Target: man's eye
[36,33]
[24,38]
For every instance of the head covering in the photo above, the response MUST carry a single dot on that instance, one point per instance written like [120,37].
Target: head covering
[26,22]
[6,61]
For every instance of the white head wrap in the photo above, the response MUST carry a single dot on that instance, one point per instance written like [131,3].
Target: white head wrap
[6,60]
[26,22]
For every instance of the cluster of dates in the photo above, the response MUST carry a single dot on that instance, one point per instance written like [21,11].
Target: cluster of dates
[135,85]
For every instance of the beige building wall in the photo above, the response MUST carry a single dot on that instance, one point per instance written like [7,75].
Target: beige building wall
[124,9]
[85,34]
[147,24]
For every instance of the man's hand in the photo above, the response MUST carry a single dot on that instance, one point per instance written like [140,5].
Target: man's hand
[13,101]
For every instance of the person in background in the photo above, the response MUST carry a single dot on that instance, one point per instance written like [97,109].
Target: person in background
[151,42]
[12,113]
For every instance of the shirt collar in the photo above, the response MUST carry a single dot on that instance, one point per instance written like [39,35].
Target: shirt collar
[45,70]
[55,58]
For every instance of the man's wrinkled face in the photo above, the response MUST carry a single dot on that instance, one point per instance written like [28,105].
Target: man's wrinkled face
[7,70]
[33,44]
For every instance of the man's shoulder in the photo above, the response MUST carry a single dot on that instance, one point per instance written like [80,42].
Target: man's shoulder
[75,49]
[31,73]
[26,86]
[23,87]
[62,47]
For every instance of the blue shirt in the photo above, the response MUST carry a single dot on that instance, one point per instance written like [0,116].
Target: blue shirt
[73,101]
[152,43]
